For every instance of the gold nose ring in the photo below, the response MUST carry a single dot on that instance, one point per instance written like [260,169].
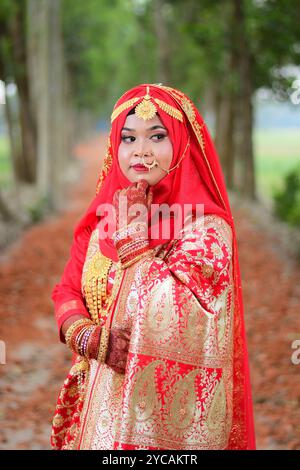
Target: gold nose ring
[149,165]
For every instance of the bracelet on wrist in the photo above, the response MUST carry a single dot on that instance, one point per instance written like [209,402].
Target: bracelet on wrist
[103,345]
[73,327]
[94,343]
[130,260]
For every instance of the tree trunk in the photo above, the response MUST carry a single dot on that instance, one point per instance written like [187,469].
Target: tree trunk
[12,122]
[245,108]
[27,122]
[5,212]
[48,91]
[15,142]
[226,110]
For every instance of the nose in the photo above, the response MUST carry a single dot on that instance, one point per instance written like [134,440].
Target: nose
[142,149]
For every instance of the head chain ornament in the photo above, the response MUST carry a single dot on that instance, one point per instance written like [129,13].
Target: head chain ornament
[146,109]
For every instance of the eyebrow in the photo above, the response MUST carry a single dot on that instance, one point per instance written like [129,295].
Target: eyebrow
[149,129]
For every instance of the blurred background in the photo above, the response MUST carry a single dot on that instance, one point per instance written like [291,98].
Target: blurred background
[63,65]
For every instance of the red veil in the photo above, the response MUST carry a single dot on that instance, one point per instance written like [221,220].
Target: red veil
[198,179]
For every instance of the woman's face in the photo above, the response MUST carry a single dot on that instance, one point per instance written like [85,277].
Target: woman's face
[149,138]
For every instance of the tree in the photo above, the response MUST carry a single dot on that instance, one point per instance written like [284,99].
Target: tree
[13,70]
[49,96]
[244,42]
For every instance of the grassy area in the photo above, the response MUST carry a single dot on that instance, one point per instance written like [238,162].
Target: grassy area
[276,152]
[5,165]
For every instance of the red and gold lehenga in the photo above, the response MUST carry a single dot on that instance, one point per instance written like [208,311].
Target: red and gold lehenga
[186,383]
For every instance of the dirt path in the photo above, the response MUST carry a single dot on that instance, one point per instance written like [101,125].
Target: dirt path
[37,363]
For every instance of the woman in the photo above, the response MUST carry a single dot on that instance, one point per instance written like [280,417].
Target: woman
[152,306]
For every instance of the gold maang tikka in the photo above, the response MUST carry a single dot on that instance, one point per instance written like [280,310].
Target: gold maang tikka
[146,109]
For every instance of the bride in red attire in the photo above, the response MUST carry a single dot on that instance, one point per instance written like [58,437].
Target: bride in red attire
[154,317]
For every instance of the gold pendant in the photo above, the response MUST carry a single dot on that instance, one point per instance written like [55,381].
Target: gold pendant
[99,267]
[145,110]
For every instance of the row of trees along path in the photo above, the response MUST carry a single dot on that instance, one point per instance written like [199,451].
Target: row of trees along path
[37,363]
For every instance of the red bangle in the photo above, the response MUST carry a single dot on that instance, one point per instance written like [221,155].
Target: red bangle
[123,242]
[74,336]
[134,254]
[93,344]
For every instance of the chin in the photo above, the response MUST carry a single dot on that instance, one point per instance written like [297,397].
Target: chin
[148,178]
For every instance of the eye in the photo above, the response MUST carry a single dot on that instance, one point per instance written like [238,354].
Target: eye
[158,136]
[127,138]
[131,138]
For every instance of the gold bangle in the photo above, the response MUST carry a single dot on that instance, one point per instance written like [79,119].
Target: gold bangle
[72,328]
[103,345]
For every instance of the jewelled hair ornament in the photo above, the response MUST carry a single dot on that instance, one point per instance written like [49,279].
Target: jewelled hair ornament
[146,109]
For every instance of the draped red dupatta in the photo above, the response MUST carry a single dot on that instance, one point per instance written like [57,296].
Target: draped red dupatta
[197,180]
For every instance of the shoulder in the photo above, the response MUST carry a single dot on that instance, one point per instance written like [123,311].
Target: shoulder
[216,226]
[204,231]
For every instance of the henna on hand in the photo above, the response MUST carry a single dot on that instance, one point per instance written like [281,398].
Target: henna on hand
[137,193]
[117,350]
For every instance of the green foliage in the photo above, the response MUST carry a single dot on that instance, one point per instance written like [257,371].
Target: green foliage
[273,34]
[107,50]
[6,10]
[287,199]
[5,163]
[111,45]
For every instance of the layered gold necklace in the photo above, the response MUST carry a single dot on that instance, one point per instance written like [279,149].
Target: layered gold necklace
[96,281]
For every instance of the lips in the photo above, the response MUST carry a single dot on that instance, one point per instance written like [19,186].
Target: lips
[139,167]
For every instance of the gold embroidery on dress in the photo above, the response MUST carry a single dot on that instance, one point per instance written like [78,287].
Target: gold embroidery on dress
[184,405]
[216,417]
[163,407]
[69,305]
[99,419]
[144,397]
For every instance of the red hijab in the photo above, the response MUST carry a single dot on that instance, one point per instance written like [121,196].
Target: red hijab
[192,182]
[198,179]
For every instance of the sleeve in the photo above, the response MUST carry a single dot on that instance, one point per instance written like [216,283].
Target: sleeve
[67,295]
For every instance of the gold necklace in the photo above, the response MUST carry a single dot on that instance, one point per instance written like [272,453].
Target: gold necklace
[98,301]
